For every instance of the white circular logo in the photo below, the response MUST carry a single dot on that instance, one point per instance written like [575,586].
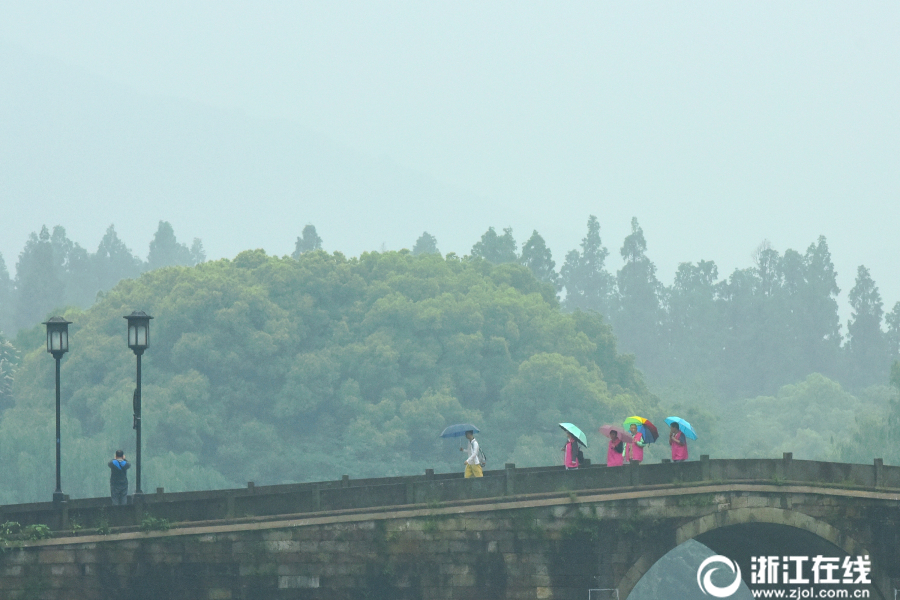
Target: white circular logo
[705,580]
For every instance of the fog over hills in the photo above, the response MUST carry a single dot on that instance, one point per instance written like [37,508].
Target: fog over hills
[71,144]
[717,128]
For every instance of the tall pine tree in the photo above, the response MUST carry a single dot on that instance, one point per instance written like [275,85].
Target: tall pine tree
[537,257]
[9,359]
[815,308]
[588,285]
[113,261]
[166,251]
[497,249]
[637,320]
[39,285]
[308,241]
[198,254]
[866,345]
[694,323]
[6,299]
[426,244]
[893,333]
[75,269]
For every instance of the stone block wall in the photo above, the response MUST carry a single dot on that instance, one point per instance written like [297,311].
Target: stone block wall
[541,552]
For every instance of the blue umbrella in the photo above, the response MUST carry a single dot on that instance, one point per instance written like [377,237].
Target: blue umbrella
[683,426]
[459,430]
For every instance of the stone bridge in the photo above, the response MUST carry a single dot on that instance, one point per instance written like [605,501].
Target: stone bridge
[516,533]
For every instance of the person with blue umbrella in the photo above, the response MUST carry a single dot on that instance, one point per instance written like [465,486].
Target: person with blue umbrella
[574,436]
[679,432]
[475,460]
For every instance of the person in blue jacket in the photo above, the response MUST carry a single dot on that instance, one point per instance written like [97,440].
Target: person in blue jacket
[118,478]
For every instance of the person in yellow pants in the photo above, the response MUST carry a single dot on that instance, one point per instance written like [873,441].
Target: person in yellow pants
[473,463]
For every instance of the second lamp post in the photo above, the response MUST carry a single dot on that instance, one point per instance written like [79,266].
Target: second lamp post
[57,345]
[138,341]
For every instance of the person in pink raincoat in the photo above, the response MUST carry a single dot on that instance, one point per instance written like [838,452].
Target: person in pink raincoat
[634,451]
[615,454]
[678,441]
[571,452]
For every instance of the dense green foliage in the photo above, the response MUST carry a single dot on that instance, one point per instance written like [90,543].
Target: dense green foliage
[877,433]
[815,419]
[275,369]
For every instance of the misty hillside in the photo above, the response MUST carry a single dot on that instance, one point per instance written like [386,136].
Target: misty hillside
[69,139]
[333,365]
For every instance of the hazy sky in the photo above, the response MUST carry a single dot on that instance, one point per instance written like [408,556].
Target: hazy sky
[717,124]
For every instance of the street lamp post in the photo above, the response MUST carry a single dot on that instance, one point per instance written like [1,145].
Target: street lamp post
[57,345]
[138,341]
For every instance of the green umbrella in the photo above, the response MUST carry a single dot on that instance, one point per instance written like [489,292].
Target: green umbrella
[574,431]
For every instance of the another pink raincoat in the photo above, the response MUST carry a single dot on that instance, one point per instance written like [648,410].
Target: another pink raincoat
[613,458]
[680,453]
[571,461]
[633,451]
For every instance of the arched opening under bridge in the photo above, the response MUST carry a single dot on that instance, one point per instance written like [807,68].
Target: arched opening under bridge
[741,536]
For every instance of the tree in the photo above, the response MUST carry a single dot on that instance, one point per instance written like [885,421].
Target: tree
[39,285]
[866,344]
[876,431]
[814,309]
[893,334]
[895,375]
[198,254]
[114,261]
[9,358]
[426,244]
[6,299]
[822,292]
[637,320]
[744,354]
[803,418]
[74,266]
[537,257]
[496,249]
[576,389]
[166,251]
[309,240]
[588,285]
[694,323]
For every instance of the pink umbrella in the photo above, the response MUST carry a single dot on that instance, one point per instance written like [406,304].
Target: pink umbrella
[623,435]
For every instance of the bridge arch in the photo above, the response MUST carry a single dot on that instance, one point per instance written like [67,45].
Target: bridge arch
[719,526]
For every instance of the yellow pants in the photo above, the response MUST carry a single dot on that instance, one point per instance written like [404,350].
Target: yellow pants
[474,471]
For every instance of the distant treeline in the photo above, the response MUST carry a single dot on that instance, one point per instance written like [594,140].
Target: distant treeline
[762,327]
[747,334]
[53,271]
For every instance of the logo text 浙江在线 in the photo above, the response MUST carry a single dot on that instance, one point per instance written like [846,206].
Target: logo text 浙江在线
[786,570]
[819,570]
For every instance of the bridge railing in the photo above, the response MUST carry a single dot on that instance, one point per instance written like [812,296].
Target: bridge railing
[432,488]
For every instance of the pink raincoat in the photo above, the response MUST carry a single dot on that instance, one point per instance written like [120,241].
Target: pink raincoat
[613,458]
[680,453]
[633,451]
[571,461]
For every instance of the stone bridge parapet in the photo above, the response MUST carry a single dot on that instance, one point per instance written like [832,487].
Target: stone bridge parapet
[518,533]
[346,493]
